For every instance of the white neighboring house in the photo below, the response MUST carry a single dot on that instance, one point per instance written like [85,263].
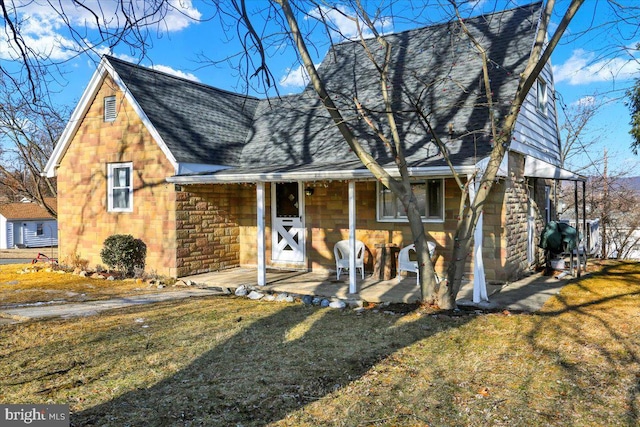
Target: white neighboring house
[27,225]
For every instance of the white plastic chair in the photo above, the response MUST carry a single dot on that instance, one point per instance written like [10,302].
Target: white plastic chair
[406,264]
[341,253]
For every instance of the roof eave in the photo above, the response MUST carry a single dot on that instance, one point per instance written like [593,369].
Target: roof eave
[353,174]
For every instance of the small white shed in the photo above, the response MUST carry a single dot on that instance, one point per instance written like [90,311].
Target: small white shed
[27,225]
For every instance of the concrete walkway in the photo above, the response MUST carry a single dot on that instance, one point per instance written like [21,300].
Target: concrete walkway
[528,294]
[89,308]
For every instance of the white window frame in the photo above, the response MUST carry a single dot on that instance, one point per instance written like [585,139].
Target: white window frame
[542,90]
[547,203]
[111,167]
[110,112]
[39,229]
[435,218]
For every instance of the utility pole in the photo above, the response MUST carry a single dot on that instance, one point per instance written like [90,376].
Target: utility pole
[605,211]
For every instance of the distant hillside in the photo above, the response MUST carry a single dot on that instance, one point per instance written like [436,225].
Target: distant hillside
[630,183]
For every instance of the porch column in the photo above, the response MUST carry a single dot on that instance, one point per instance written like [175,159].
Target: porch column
[352,238]
[479,282]
[585,234]
[262,266]
[577,209]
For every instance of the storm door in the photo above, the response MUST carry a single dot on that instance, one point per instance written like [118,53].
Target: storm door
[288,237]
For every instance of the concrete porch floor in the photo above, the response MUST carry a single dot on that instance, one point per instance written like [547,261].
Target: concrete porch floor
[324,285]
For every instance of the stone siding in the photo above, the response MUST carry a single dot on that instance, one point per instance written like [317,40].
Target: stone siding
[84,222]
[209,222]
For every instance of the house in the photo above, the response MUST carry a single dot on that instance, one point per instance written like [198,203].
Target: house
[27,225]
[212,180]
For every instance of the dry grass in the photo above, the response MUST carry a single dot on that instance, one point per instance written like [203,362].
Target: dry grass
[28,253]
[229,361]
[44,285]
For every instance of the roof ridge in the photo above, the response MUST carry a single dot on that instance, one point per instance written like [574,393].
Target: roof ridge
[442,24]
[173,76]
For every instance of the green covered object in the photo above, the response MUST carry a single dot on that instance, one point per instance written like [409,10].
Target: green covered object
[559,237]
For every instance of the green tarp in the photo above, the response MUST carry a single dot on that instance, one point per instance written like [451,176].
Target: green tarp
[559,237]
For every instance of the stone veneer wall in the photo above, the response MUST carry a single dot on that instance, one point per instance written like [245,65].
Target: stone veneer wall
[516,218]
[494,245]
[327,214]
[84,222]
[209,222]
[217,226]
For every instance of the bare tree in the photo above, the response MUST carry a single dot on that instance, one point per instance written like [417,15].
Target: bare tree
[93,28]
[29,133]
[292,23]
[634,106]
[443,293]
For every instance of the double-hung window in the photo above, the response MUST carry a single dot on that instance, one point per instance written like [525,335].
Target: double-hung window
[429,195]
[120,187]
[541,97]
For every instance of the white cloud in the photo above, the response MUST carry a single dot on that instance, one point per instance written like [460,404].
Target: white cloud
[585,101]
[181,15]
[344,25]
[174,72]
[295,77]
[46,33]
[584,68]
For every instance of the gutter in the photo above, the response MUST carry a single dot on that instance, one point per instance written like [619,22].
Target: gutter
[325,175]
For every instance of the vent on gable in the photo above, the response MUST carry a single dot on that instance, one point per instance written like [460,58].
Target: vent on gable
[109,108]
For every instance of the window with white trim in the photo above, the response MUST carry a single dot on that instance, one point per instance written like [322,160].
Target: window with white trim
[547,203]
[110,112]
[541,97]
[120,187]
[429,194]
[39,229]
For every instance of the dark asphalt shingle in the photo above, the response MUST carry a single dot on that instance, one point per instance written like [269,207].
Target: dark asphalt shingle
[435,68]
[199,123]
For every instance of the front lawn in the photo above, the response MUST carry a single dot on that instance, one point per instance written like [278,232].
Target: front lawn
[25,284]
[229,361]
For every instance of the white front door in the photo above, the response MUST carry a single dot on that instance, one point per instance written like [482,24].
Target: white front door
[18,234]
[288,235]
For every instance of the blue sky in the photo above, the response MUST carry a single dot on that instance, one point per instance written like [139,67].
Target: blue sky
[592,66]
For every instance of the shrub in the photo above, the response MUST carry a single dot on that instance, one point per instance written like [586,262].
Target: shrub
[124,253]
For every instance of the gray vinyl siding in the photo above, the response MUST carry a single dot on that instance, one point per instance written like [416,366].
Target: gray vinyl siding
[536,134]
[30,239]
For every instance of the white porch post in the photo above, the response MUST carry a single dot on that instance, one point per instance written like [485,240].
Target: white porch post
[352,238]
[479,282]
[262,265]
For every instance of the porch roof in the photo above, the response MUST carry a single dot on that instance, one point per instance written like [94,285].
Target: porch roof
[351,170]
[537,168]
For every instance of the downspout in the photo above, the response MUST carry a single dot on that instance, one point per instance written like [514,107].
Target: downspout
[479,281]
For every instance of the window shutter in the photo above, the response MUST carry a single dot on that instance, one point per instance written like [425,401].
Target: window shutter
[109,108]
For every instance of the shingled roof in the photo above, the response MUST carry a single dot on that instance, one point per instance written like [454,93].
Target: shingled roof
[435,68]
[198,123]
[27,211]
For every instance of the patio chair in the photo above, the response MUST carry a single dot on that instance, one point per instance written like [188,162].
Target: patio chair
[341,253]
[406,264]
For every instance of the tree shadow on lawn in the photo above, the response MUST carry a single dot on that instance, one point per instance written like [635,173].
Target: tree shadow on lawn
[607,305]
[274,366]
